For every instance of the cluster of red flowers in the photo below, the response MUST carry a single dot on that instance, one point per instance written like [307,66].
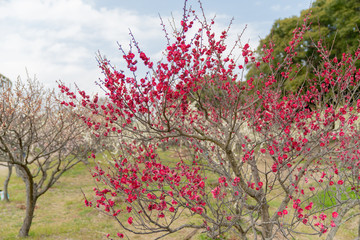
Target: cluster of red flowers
[229,125]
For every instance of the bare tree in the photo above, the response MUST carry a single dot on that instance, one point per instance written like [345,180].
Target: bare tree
[40,138]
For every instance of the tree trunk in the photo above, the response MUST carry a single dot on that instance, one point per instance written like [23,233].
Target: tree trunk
[30,201]
[266,221]
[342,212]
[6,183]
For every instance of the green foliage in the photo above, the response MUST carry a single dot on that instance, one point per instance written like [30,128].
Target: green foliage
[335,22]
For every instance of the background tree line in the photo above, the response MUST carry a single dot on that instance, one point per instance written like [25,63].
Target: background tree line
[335,22]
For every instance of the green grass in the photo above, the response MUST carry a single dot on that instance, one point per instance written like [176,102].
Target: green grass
[61,213]
[328,198]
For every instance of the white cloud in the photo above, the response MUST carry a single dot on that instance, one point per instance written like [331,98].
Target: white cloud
[59,39]
[276,7]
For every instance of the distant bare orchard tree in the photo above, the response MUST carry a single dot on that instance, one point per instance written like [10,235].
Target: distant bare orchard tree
[40,138]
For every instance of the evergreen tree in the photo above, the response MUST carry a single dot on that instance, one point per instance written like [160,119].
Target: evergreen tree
[335,22]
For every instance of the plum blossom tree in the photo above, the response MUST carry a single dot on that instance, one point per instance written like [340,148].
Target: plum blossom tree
[281,168]
[40,138]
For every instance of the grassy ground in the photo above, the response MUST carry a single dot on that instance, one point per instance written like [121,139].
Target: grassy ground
[61,214]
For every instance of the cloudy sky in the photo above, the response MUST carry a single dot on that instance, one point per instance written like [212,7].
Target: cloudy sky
[59,39]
